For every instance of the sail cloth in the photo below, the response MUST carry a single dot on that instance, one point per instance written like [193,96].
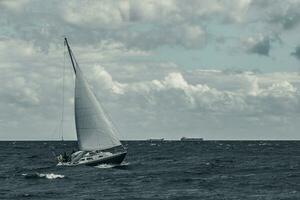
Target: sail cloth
[94,130]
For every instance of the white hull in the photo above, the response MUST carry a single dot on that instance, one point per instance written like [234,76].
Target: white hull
[93,158]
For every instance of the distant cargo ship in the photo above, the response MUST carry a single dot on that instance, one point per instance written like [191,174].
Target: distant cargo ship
[191,139]
[157,140]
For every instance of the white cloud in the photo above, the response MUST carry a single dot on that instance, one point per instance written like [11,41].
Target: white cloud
[96,13]
[174,92]
[262,98]
[280,89]
[153,11]
[104,79]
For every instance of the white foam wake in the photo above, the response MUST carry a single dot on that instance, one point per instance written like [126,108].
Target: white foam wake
[52,176]
[64,164]
[41,175]
[106,166]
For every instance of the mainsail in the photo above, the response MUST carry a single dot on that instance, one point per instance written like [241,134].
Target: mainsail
[94,130]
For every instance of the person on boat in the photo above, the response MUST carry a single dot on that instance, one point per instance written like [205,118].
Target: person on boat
[65,157]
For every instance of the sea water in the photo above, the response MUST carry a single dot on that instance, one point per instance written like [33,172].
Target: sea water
[155,170]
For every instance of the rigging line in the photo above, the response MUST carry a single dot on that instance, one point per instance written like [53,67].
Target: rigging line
[63,97]
[54,132]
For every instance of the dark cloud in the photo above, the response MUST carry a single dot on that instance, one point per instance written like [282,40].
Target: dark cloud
[296,53]
[260,45]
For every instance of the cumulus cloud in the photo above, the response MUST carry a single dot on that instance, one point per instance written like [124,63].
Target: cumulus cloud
[281,89]
[174,92]
[249,98]
[96,13]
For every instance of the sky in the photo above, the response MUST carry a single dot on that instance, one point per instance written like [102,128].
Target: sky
[217,69]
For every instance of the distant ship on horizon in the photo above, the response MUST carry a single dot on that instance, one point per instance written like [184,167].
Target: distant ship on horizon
[191,139]
[156,139]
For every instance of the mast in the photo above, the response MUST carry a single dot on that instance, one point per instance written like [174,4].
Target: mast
[71,55]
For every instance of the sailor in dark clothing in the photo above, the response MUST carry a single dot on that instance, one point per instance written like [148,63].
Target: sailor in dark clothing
[65,157]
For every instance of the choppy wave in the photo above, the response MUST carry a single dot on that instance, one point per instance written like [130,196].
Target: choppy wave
[186,170]
[21,147]
[41,175]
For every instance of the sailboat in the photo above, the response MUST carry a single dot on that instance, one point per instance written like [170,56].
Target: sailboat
[96,134]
